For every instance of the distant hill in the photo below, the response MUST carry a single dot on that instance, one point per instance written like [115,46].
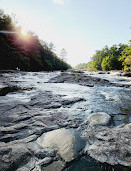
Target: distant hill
[27,52]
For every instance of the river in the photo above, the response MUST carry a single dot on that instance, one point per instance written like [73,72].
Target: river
[113,100]
[108,99]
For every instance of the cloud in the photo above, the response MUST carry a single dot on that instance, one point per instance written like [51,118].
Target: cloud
[59,1]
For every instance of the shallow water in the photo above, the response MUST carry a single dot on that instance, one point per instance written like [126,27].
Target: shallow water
[88,164]
[111,100]
[114,77]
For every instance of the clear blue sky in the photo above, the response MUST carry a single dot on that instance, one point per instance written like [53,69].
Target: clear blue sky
[79,26]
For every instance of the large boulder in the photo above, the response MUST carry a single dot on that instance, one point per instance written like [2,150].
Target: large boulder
[98,119]
[67,142]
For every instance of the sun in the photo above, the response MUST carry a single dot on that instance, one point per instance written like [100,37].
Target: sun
[24,32]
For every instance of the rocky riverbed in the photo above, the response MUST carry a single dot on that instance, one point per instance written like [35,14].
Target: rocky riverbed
[51,120]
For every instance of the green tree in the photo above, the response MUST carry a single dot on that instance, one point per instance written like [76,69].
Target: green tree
[126,58]
[6,22]
[108,58]
[25,52]
[106,64]
[98,58]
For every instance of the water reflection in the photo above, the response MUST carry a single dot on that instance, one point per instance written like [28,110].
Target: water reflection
[121,119]
[89,164]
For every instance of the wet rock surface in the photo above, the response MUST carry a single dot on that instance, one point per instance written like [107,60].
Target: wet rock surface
[39,111]
[6,90]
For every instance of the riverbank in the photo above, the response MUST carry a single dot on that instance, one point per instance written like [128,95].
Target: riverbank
[60,104]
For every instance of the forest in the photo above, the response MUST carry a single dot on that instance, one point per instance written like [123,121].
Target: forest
[27,53]
[117,57]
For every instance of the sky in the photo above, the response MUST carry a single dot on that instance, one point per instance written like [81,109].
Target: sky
[79,26]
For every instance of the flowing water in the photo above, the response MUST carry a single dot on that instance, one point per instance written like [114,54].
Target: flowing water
[112,100]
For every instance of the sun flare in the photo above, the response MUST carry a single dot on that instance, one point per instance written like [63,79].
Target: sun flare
[24,32]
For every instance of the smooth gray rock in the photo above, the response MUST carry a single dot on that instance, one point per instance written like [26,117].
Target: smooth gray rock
[67,141]
[98,119]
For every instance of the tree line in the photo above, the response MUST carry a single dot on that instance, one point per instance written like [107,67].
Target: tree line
[117,57]
[27,53]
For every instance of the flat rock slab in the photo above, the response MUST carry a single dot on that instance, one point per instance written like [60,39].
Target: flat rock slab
[109,145]
[83,80]
[47,100]
[12,157]
[78,78]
